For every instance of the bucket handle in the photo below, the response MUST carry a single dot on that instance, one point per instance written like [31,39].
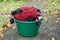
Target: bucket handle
[40,21]
[11,21]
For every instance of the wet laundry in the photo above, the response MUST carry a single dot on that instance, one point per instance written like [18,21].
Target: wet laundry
[39,20]
[37,10]
[18,11]
[27,14]
[31,19]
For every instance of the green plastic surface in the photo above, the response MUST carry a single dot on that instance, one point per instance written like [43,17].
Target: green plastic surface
[26,28]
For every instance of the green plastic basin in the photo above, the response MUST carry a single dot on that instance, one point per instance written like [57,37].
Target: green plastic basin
[27,28]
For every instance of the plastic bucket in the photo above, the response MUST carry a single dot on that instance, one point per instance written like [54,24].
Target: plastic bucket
[27,28]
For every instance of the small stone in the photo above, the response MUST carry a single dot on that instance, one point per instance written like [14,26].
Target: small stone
[56,22]
[58,19]
[9,25]
[48,34]
[53,38]
[45,19]
[5,28]
[14,27]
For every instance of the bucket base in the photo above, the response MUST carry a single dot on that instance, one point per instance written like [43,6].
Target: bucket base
[28,35]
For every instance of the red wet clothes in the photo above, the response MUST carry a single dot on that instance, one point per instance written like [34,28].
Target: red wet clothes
[27,12]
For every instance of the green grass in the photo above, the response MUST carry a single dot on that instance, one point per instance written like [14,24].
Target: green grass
[10,6]
[54,5]
[3,20]
[6,6]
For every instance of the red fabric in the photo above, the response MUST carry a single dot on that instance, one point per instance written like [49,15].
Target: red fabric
[27,12]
